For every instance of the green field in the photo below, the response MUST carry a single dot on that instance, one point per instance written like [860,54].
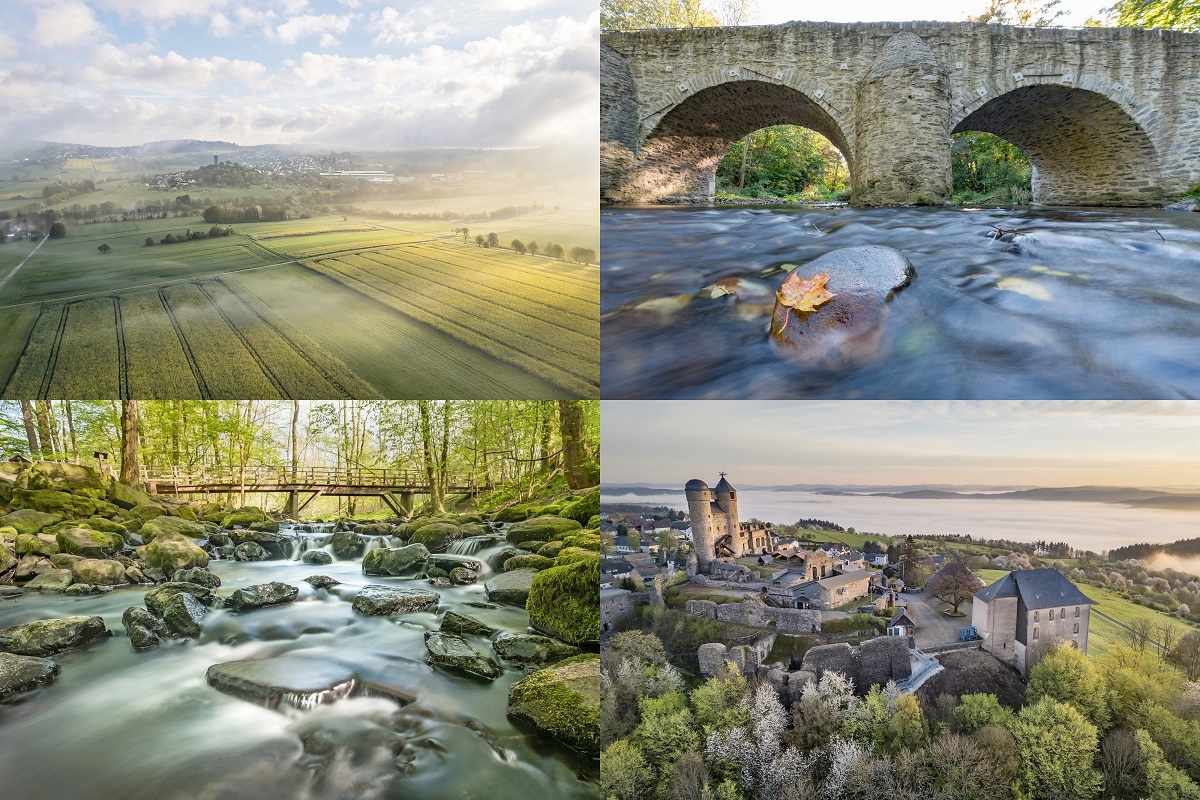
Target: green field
[316,308]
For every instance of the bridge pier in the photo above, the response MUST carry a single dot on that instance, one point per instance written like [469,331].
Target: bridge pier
[399,502]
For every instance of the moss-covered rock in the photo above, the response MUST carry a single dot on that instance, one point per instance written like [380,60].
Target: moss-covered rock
[549,549]
[250,551]
[376,601]
[316,558]
[174,551]
[8,559]
[184,615]
[44,637]
[145,630]
[127,497]
[573,555]
[31,566]
[462,625]
[587,540]
[99,572]
[266,526]
[52,580]
[72,478]
[436,536]
[533,545]
[472,529]
[261,595]
[26,520]
[244,517]
[454,653]
[583,508]
[593,522]
[346,544]
[37,544]
[22,673]
[564,602]
[198,575]
[512,514]
[157,598]
[8,535]
[65,505]
[532,649]
[146,513]
[528,562]
[395,561]
[564,701]
[65,560]
[512,588]
[542,529]
[163,525]
[462,576]
[89,543]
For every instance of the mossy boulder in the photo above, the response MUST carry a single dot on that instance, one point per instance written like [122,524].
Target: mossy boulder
[375,529]
[157,598]
[472,529]
[266,526]
[454,653]
[512,514]
[593,522]
[145,630]
[8,535]
[583,508]
[586,540]
[104,525]
[550,549]
[52,580]
[44,637]
[532,546]
[528,562]
[198,575]
[244,517]
[512,588]
[27,520]
[89,543]
[147,512]
[462,625]
[261,595]
[572,555]
[395,561]
[8,559]
[564,701]
[23,673]
[184,615]
[346,544]
[127,497]
[65,560]
[164,525]
[436,536]
[542,529]
[463,576]
[174,551]
[377,601]
[564,602]
[31,566]
[36,544]
[317,558]
[532,649]
[250,551]
[72,478]
[99,572]
[67,506]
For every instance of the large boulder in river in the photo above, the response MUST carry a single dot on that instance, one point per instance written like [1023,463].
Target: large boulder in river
[44,637]
[184,615]
[462,625]
[847,329]
[127,497]
[145,630]
[157,598]
[452,652]
[22,673]
[261,595]
[27,520]
[99,572]
[250,551]
[531,649]
[198,575]
[542,529]
[436,536]
[243,517]
[346,544]
[52,580]
[395,561]
[316,557]
[379,601]
[564,701]
[171,552]
[161,526]
[564,602]
[89,543]
[510,588]
[68,506]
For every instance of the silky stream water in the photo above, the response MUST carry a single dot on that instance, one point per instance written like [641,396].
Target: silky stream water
[122,725]
[1079,304]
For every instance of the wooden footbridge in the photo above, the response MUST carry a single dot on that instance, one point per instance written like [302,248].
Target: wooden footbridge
[396,487]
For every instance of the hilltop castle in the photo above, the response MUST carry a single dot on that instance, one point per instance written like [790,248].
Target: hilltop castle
[716,531]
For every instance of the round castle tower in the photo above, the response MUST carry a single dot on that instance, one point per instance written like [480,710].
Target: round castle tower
[713,513]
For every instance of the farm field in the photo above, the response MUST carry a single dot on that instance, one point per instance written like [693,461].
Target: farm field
[568,227]
[317,308]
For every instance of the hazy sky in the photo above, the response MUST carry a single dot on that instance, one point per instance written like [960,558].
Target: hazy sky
[772,11]
[884,442]
[363,73]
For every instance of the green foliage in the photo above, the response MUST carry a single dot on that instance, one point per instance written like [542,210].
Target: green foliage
[783,161]
[1056,745]
[717,703]
[1163,781]
[1183,15]
[624,773]
[667,728]
[58,230]
[628,15]
[1179,738]
[975,711]
[1065,674]
[854,622]
[986,167]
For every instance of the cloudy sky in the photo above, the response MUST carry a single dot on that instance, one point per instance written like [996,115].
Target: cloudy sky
[773,11]
[1153,444]
[355,73]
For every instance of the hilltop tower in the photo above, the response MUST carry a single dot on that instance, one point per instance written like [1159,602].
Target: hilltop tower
[715,528]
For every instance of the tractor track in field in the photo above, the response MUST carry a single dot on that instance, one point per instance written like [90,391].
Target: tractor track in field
[52,362]
[258,359]
[287,339]
[187,349]
[122,352]
[24,350]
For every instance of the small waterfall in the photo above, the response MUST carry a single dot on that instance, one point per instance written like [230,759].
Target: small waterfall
[306,701]
[473,544]
[374,543]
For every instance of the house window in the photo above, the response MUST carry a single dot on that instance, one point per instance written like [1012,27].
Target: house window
[1076,612]
[1050,615]
[1035,634]
[1035,616]
[1064,614]
[1076,627]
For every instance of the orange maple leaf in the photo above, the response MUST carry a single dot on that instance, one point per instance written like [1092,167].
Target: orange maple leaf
[802,295]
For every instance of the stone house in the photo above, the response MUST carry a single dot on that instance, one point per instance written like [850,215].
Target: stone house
[1027,612]
[833,591]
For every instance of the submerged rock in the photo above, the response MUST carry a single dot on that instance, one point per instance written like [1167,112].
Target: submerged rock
[453,652]
[440,582]
[322,581]
[510,588]
[289,680]
[463,576]
[46,636]
[395,561]
[316,557]
[22,673]
[1183,205]
[564,701]
[461,624]
[260,595]
[250,551]
[530,648]
[848,328]
[184,615]
[377,601]
[145,630]
[76,589]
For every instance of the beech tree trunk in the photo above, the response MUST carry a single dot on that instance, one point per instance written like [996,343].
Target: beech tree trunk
[129,443]
[30,431]
[570,425]
[435,495]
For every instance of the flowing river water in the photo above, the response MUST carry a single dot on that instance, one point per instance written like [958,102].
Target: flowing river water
[123,725]
[1080,304]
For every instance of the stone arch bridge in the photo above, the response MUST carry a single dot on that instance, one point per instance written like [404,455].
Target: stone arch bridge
[1107,116]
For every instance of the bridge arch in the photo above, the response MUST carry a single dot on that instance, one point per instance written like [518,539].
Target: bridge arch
[1087,148]
[681,150]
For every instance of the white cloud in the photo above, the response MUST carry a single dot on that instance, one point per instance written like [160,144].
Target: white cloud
[66,22]
[221,25]
[161,10]
[172,70]
[417,26]
[296,28]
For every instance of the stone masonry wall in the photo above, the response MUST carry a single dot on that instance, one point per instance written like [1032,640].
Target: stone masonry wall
[1108,116]
[754,612]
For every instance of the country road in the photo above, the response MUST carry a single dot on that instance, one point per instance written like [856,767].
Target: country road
[8,277]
